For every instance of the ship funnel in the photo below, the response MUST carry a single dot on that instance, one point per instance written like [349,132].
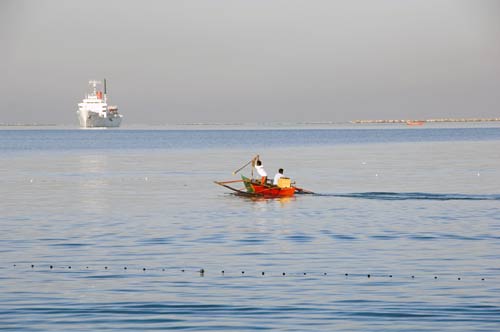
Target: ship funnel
[104,86]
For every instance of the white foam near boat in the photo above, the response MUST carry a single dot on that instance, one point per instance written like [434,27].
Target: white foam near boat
[94,111]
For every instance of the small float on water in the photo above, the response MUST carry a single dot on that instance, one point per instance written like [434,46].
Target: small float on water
[262,187]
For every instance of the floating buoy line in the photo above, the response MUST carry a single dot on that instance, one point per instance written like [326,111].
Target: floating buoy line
[202,272]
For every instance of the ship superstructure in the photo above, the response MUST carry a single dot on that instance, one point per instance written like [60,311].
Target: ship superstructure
[94,110]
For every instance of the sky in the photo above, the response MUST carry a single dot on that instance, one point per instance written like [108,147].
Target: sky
[251,61]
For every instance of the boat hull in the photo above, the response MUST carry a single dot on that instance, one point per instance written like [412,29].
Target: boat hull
[89,119]
[415,123]
[267,190]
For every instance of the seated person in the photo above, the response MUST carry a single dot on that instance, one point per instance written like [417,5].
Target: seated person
[278,176]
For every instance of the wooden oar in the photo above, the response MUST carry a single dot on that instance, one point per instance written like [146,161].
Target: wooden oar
[239,169]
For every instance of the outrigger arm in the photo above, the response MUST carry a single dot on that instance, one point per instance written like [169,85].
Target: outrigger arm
[238,191]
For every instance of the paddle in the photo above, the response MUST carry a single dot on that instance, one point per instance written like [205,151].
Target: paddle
[251,161]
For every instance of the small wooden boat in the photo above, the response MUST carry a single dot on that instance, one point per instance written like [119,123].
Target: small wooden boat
[254,188]
[415,123]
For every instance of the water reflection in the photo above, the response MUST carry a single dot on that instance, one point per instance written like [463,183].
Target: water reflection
[93,187]
[263,204]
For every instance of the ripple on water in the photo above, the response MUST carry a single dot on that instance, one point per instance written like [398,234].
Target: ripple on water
[343,237]
[300,238]
[305,316]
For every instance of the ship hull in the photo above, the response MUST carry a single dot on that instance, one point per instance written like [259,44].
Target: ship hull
[90,119]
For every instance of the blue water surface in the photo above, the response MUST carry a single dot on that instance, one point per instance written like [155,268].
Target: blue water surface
[117,139]
[125,230]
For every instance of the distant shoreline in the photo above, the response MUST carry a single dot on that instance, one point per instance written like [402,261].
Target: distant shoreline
[27,125]
[271,124]
[428,120]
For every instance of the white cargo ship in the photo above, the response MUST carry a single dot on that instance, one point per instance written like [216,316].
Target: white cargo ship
[94,111]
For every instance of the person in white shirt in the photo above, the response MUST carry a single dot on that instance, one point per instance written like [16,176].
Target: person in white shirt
[262,172]
[278,176]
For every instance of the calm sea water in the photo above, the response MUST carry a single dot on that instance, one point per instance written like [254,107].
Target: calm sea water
[109,229]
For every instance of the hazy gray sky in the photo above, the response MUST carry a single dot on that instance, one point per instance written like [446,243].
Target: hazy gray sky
[171,62]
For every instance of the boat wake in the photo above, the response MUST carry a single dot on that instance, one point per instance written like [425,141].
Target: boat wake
[392,196]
